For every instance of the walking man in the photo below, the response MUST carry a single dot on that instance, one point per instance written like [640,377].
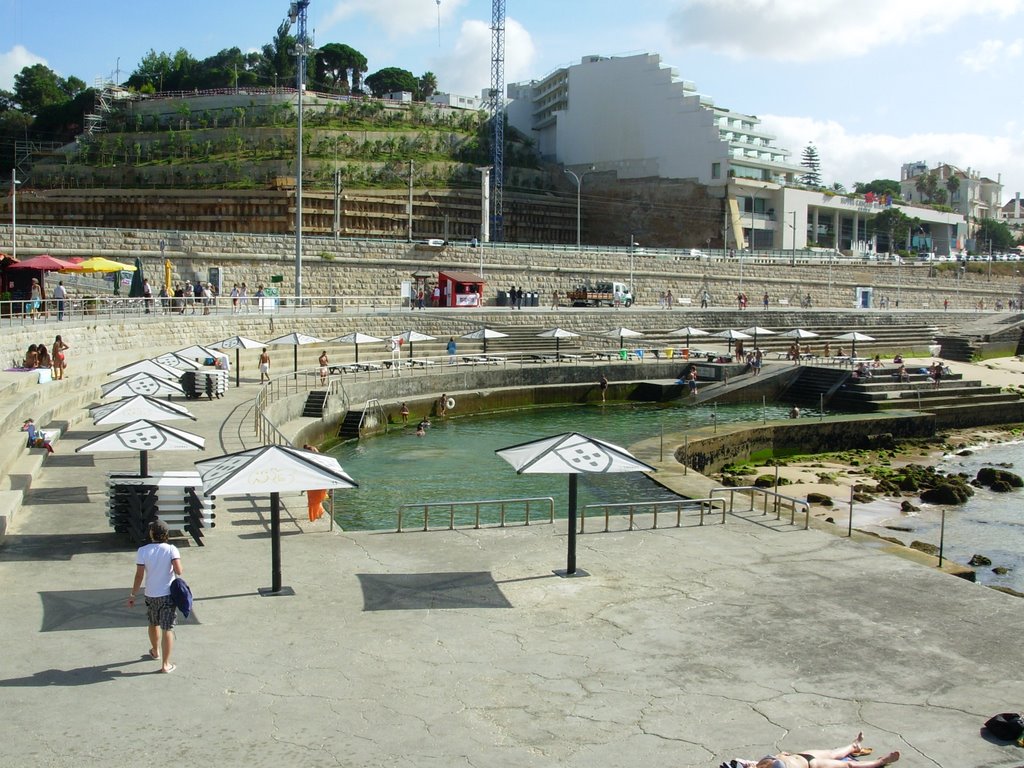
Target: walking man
[264,365]
[158,562]
[60,293]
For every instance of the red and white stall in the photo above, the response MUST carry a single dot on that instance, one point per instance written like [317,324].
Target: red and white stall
[461,289]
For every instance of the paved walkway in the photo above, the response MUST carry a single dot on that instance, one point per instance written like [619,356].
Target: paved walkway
[683,647]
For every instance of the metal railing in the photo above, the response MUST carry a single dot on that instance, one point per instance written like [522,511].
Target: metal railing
[283,386]
[704,506]
[478,507]
[778,501]
[373,405]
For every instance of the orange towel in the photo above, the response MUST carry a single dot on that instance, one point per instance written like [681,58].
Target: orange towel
[315,502]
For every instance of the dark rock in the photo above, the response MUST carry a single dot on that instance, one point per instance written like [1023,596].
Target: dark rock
[907,483]
[881,441]
[965,452]
[830,520]
[819,498]
[1001,486]
[924,546]
[765,481]
[1000,570]
[906,506]
[990,476]
[863,498]
[899,528]
[946,493]
[979,560]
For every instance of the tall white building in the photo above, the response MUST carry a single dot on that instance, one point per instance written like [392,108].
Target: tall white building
[637,117]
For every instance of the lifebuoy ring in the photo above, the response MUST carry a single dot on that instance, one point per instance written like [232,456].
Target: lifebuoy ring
[449,404]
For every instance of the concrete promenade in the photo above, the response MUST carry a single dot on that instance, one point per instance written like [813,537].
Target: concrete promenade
[683,647]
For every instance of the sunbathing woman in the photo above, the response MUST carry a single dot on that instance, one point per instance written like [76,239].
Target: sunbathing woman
[31,357]
[826,758]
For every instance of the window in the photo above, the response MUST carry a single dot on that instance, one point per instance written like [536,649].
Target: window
[716,170]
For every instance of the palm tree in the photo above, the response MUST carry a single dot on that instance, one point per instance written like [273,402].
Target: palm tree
[922,185]
[952,185]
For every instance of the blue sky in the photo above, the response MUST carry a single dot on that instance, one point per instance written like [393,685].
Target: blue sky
[872,83]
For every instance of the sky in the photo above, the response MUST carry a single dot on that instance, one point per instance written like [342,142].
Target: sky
[872,84]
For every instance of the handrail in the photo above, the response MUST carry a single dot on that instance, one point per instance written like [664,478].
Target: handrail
[286,385]
[452,505]
[766,493]
[707,504]
[374,405]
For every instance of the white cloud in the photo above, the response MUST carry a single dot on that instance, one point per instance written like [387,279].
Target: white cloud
[395,18]
[847,157]
[13,61]
[990,55]
[467,69]
[797,30]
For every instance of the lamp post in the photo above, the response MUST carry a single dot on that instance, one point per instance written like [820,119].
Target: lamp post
[753,198]
[632,250]
[579,187]
[14,215]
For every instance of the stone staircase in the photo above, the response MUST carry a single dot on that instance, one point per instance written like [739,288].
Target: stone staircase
[882,393]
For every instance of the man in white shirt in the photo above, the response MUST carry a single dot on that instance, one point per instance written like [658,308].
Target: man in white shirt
[158,562]
[60,293]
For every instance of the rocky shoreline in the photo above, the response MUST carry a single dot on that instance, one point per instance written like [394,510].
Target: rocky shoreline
[886,481]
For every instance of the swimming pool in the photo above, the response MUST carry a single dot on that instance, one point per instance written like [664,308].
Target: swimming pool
[455,460]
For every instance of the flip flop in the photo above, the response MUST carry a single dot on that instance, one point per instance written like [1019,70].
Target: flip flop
[152,655]
[861,751]
[169,669]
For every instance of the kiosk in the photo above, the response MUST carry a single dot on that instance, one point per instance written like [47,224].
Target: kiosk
[461,289]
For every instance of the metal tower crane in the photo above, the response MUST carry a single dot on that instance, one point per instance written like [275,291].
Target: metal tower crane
[497,110]
[303,48]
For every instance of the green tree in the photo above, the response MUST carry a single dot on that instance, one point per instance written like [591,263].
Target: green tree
[391,80]
[811,161]
[166,72]
[895,225]
[993,235]
[332,65]
[38,86]
[879,187]
[427,86]
[952,185]
[278,66]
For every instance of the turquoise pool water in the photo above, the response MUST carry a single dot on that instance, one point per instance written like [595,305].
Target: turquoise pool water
[455,461]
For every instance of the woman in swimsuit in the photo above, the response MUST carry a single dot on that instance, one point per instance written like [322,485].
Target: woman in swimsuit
[57,358]
[826,758]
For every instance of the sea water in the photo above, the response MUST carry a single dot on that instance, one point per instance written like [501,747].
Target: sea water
[989,524]
[456,461]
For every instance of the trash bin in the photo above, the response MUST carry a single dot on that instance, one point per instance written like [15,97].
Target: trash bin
[502,298]
[534,299]
[623,354]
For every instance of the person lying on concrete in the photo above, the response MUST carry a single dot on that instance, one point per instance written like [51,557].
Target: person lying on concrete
[819,758]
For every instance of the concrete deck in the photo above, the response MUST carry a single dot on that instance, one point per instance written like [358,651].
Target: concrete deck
[683,647]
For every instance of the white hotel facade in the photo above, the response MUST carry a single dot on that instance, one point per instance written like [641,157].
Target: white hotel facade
[637,117]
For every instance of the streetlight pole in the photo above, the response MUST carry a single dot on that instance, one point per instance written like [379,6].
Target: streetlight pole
[632,250]
[579,188]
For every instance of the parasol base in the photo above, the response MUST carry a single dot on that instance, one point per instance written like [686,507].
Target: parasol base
[578,573]
[282,592]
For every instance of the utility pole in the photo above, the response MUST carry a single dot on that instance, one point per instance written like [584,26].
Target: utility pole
[337,203]
[409,206]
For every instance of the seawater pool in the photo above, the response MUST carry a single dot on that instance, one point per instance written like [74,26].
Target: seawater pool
[455,461]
